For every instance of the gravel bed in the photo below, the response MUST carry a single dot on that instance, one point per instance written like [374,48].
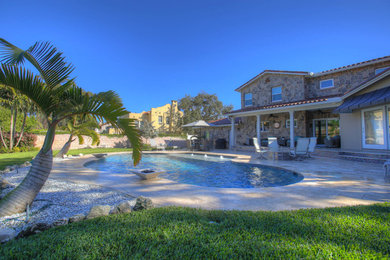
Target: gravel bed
[60,199]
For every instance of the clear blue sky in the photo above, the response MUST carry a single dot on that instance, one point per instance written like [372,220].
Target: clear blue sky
[153,51]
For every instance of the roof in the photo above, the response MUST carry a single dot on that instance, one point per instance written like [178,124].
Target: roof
[199,123]
[224,121]
[288,72]
[355,65]
[325,72]
[281,105]
[376,97]
[367,83]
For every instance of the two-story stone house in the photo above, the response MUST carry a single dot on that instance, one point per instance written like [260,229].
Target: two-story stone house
[350,101]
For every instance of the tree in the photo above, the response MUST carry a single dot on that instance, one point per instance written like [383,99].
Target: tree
[80,129]
[59,98]
[16,103]
[202,107]
[147,129]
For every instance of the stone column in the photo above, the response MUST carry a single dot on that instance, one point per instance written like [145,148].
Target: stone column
[232,135]
[292,142]
[258,124]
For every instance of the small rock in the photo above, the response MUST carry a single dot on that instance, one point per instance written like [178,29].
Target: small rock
[76,218]
[123,207]
[61,222]
[7,234]
[4,184]
[143,203]
[98,211]
[34,229]
[26,164]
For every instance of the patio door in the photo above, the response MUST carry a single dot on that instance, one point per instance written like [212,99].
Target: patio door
[325,127]
[375,128]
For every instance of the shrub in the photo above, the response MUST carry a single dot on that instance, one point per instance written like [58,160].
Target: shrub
[28,140]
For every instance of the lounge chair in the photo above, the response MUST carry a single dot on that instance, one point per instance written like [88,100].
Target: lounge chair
[258,149]
[273,146]
[301,150]
[312,146]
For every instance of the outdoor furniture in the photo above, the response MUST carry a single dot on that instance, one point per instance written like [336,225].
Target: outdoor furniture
[301,150]
[158,146]
[312,146]
[258,149]
[332,142]
[273,146]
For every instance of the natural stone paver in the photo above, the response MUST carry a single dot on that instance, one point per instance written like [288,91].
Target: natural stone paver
[327,183]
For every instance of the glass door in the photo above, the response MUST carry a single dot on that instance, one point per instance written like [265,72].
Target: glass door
[374,133]
[325,127]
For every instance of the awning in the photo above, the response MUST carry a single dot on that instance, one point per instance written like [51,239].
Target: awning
[374,98]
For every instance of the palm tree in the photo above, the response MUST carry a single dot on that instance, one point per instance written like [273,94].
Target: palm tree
[58,98]
[79,130]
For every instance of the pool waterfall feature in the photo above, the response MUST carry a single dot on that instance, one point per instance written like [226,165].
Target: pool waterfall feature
[202,170]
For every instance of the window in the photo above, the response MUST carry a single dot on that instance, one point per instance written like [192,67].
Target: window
[288,123]
[328,83]
[167,120]
[380,70]
[160,120]
[248,99]
[276,94]
[264,126]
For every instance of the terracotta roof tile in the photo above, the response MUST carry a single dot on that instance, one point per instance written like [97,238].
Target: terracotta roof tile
[301,102]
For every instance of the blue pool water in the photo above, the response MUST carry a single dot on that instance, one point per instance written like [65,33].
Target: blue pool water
[202,171]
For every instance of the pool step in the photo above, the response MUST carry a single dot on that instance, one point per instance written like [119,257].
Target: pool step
[364,157]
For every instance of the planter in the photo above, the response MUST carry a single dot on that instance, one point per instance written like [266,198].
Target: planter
[147,174]
[99,155]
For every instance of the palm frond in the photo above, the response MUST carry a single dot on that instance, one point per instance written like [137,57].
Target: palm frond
[105,106]
[43,56]
[81,138]
[10,53]
[27,84]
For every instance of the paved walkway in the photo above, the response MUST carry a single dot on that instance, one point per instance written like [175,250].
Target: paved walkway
[327,183]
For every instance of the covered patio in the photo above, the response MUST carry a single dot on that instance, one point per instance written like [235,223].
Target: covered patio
[311,118]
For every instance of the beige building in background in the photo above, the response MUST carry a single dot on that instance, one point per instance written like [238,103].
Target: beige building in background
[163,119]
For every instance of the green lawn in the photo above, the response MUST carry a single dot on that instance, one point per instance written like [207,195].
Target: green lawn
[7,159]
[361,232]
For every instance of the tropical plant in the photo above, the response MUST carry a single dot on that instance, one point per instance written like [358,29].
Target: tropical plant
[59,98]
[78,130]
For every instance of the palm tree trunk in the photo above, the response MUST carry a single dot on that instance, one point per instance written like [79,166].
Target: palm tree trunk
[17,200]
[11,127]
[2,139]
[22,129]
[65,148]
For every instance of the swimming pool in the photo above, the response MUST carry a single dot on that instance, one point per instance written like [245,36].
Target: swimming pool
[199,170]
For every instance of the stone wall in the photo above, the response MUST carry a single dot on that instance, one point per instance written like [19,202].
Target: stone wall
[343,80]
[247,129]
[222,132]
[108,142]
[292,89]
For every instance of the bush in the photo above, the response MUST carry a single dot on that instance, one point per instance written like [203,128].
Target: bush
[28,140]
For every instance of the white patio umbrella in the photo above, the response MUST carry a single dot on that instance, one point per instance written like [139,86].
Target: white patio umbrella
[197,124]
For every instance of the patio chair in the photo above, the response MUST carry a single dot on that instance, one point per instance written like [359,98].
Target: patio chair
[273,146]
[301,150]
[312,146]
[258,149]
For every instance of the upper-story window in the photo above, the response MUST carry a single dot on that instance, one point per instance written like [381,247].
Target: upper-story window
[380,70]
[248,99]
[276,94]
[328,83]
[160,120]
[167,120]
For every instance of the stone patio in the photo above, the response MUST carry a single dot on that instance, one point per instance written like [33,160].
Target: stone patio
[328,182]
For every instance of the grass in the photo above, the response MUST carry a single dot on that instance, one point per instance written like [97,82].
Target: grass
[7,159]
[360,232]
